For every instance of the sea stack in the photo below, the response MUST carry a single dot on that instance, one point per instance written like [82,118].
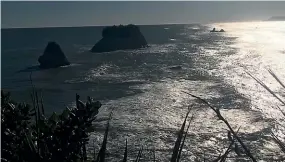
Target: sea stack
[120,38]
[53,57]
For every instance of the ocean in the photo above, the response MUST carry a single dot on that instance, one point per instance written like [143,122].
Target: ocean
[147,97]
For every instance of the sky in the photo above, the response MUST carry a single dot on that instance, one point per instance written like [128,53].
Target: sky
[92,13]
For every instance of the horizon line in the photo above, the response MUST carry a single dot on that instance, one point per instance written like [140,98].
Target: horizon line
[43,27]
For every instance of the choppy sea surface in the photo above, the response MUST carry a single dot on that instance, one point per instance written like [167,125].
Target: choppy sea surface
[147,97]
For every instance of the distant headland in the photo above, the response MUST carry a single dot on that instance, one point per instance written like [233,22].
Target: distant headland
[276,18]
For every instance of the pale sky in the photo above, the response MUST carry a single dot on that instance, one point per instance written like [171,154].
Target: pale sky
[77,13]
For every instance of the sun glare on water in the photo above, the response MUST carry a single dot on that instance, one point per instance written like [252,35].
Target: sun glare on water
[260,47]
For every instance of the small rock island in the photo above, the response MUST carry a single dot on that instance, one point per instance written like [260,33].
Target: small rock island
[214,30]
[120,37]
[53,57]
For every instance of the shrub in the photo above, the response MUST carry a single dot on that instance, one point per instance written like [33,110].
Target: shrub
[57,138]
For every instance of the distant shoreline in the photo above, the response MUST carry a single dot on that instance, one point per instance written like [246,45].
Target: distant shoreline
[276,18]
[92,26]
[194,23]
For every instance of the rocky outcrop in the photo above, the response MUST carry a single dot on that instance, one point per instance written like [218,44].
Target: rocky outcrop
[214,30]
[53,57]
[120,38]
[177,67]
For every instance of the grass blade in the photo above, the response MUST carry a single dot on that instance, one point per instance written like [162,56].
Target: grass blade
[283,113]
[267,88]
[217,111]
[102,152]
[279,142]
[178,140]
[139,155]
[126,152]
[42,105]
[276,78]
[181,147]
[222,158]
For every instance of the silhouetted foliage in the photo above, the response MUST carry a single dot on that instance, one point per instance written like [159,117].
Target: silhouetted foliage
[57,138]
[16,127]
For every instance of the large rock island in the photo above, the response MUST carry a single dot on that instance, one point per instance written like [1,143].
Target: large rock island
[53,57]
[120,38]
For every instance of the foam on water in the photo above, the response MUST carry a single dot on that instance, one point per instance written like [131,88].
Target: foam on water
[136,117]
[258,49]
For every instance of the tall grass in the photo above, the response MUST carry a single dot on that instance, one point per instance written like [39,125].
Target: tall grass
[218,113]
[279,142]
